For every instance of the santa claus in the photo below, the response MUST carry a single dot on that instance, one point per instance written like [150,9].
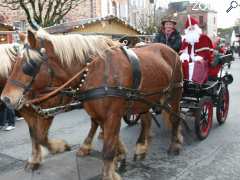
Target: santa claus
[196,52]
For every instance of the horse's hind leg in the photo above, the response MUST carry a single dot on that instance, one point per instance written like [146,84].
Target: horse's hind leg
[177,138]
[86,147]
[144,137]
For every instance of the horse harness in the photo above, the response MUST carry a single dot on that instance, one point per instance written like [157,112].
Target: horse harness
[31,68]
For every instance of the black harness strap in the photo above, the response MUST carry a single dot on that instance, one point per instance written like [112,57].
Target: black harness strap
[134,61]
[26,88]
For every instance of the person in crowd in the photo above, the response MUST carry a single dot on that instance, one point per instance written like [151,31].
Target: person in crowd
[7,116]
[168,34]
[2,114]
[10,119]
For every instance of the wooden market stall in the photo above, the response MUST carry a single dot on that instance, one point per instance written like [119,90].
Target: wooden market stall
[111,26]
[6,33]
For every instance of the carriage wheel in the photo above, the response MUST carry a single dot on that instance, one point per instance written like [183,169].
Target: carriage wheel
[222,105]
[203,121]
[131,119]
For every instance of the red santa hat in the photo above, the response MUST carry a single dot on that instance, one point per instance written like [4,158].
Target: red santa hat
[191,22]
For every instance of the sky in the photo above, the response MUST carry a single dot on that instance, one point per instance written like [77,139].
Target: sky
[224,19]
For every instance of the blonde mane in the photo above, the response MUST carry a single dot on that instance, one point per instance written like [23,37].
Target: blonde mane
[8,53]
[76,47]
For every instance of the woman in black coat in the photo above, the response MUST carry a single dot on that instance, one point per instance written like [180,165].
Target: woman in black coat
[169,35]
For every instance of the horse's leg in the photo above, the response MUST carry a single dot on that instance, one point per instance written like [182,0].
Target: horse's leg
[177,137]
[110,146]
[37,155]
[86,147]
[121,154]
[142,144]
[38,129]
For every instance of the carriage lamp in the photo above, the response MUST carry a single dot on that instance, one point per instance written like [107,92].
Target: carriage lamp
[227,79]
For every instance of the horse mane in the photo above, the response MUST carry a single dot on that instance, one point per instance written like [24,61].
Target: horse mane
[76,47]
[8,54]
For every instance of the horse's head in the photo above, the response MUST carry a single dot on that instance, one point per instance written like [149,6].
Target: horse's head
[26,68]
[65,54]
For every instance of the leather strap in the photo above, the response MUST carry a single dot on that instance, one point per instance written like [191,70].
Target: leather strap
[135,64]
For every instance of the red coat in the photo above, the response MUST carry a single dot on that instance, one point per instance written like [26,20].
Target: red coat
[203,48]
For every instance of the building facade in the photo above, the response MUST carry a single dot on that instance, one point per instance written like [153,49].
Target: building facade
[14,18]
[98,8]
[138,13]
[141,12]
[207,18]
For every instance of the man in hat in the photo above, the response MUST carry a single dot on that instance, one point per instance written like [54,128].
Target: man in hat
[196,46]
[169,35]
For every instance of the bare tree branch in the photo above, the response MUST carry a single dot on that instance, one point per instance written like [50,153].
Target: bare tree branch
[43,12]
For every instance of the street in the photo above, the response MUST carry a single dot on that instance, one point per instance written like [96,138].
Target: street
[217,157]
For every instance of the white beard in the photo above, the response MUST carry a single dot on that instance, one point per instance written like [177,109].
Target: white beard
[192,36]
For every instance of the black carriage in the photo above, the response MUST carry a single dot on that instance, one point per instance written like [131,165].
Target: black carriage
[200,101]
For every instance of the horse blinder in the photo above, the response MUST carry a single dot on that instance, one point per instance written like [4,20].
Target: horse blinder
[31,68]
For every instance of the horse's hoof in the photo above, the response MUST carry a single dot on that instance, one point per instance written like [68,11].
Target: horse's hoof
[139,157]
[67,147]
[32,166]
[174,149]
[116,176]
[83,152]
[121,166]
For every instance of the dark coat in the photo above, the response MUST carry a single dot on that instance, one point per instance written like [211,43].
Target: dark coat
[174,41]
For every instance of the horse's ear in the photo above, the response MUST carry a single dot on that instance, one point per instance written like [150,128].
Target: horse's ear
[31,38]
[22,37]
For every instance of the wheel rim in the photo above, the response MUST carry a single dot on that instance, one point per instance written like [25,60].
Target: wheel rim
[206,117]
[223,111]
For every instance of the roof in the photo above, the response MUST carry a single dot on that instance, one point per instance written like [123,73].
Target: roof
[68,26]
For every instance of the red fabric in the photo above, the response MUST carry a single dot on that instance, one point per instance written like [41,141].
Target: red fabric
[193,22]
[200,72]
[213,71]
[185,68]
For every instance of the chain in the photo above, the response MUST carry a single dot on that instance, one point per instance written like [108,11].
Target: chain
[50,112]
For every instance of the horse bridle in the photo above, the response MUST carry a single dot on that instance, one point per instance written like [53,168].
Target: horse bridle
[31,67]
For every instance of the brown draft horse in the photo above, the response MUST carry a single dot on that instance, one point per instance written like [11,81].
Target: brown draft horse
[36,123]
[160,68]
[39,125]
